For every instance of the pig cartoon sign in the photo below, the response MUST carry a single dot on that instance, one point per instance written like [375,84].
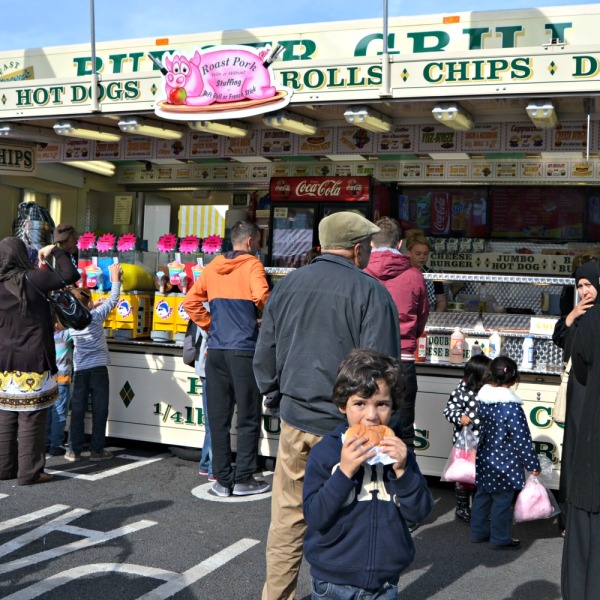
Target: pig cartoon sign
[219,83]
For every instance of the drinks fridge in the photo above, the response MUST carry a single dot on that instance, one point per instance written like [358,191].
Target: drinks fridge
[299,203]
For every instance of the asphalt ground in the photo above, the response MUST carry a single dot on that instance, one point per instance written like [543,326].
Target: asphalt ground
[143,525]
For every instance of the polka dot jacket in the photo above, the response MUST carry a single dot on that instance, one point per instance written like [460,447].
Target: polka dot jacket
[505,449]
[462,401]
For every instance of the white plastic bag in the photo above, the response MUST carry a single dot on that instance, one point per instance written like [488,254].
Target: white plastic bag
[460,465]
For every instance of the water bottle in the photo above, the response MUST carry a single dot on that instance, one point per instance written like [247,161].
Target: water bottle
[527,359]
[457,343]
[475,348]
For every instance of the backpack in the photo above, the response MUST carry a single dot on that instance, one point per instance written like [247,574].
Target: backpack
[191,345]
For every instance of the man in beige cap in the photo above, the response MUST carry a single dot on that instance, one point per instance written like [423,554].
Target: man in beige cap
[66,238]
[314,317]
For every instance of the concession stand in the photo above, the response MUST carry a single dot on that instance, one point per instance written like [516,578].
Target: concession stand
[482,129]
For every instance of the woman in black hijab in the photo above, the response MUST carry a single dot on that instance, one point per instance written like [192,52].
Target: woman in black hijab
[581,553]
[27,358]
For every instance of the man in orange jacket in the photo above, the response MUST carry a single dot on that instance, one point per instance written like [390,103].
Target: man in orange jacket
[235,287]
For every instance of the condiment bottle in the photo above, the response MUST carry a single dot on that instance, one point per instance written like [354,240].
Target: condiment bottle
[457,342]
[527,359]
[475,348]
[495,345]
[421,349]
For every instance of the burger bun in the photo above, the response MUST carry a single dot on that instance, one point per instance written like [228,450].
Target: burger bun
[375,433]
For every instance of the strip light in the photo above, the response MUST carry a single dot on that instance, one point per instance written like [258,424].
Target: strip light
[235,129]
[25,132]
[369,119]
[286,121]
[542,114]
[453,116]
[77,130]
[101,167]
[139,126]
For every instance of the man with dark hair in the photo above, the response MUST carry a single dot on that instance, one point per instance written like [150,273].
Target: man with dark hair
[407,287]
[235,287]
[66,237]
[314,317]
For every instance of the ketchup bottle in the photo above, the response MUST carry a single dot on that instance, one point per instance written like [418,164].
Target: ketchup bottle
[421,349]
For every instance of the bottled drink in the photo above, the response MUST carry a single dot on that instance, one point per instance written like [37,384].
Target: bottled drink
[457,342]
[421,349]
[483,298]
[495,345]
[527,359]
[475,348]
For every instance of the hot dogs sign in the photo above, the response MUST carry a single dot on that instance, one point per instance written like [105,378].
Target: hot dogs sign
[220,83]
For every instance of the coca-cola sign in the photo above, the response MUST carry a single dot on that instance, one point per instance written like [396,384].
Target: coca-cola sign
[332,189]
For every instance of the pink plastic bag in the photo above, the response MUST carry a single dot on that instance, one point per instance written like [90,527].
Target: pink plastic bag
[460,465]
[535,502]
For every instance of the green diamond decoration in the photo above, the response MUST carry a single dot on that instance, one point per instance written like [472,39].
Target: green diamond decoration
[154,89]
[405,75]
[552,67]
[127,394]
[4,99]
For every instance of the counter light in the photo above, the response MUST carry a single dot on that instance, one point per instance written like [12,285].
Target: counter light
[286,121]
[101,167]
[235,129]
[542,114]
[367,118]
[139,126]
[86,132]
[25,132]
[453,116]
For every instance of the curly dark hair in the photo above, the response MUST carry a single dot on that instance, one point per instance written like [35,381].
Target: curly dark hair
[502,371]
[359,372]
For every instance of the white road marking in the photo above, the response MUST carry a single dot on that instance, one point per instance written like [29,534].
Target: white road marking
[3,496]
[38,514]
[61,523]
[174,582]
[139,461]
[202,492]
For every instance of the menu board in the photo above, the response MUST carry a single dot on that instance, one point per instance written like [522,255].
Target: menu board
[547,213]
[460,212]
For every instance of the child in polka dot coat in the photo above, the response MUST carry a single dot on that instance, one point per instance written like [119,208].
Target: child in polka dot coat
[461,411]
[504,453]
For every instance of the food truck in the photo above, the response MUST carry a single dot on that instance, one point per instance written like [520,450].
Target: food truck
[483,128]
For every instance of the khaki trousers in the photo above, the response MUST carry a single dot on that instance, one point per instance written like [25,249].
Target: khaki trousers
[286,532]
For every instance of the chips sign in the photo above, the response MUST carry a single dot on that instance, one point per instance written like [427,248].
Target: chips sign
[17,159]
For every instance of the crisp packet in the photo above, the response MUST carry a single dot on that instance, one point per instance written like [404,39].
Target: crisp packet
[381,458]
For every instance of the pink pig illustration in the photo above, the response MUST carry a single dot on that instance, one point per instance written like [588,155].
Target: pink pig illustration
[223,75]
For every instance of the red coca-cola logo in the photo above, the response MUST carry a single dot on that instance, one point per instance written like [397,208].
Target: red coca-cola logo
[440,211]
[354,188]
[328,188]
[283,187]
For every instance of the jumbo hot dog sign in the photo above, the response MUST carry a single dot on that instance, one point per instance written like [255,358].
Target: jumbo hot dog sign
[220,83]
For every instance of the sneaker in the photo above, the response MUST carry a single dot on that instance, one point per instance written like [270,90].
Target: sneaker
[512,545]
[70,455]
[102,455]
[202,472]
[412,526]
[252,486]
[220,490]
[212,478]
[55,451]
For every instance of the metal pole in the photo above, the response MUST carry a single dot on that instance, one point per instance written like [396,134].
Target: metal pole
[94,91]
[385,57]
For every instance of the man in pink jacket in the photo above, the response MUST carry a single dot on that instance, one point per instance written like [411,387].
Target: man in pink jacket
[406,285]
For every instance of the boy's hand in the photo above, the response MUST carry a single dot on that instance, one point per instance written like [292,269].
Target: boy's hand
[395,448]
[355,451]
[115,272]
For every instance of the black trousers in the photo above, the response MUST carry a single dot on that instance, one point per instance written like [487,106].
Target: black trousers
[407,408]
[230,384]
[22,444]
[580,577]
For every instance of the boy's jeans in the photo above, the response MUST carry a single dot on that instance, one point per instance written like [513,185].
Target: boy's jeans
[334,591]
[57,417]
[88,382]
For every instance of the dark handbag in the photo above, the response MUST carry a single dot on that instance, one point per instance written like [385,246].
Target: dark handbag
[69,310]
[191,344]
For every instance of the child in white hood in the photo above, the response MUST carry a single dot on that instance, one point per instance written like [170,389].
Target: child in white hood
[505,451]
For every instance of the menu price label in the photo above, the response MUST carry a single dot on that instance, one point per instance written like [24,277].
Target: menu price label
[122,214]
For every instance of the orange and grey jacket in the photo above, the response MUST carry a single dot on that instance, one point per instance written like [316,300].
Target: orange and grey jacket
[235,286]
